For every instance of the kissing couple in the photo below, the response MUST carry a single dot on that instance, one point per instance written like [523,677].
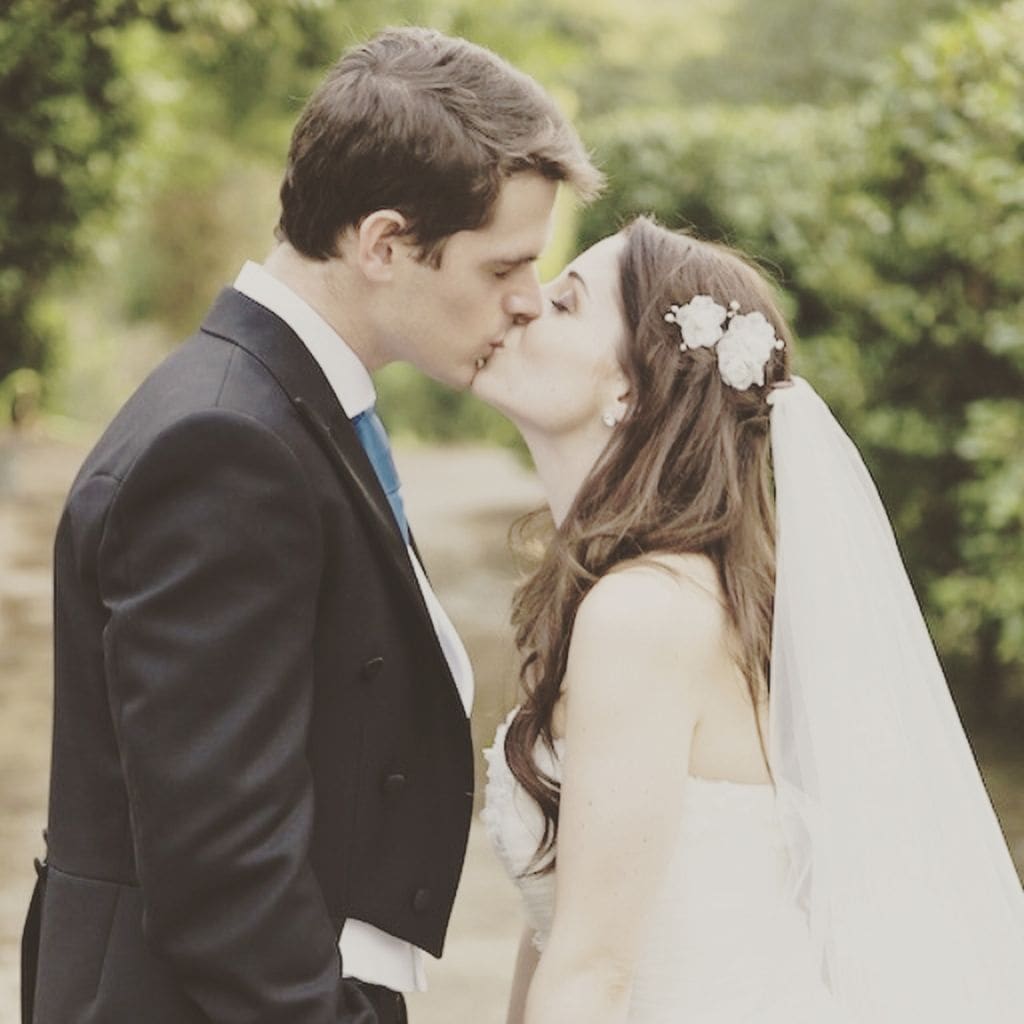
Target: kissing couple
[735,789]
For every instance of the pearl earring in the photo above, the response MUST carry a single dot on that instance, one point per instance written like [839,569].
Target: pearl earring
[609,420]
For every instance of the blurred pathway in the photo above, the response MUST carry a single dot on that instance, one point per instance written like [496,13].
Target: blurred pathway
[34,474]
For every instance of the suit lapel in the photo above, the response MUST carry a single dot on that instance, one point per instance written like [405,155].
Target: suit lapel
[239,320]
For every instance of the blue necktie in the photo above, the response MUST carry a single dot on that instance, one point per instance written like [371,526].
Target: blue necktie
[374,440]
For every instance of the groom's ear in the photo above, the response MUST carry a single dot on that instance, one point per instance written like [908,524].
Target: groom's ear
[378,237]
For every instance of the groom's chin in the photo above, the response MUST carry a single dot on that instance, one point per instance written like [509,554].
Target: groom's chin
[455,378]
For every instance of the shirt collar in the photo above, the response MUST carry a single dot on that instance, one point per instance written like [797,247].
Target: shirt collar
[347,376]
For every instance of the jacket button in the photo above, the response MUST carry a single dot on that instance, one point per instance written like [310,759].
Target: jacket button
[394,784]
[421,901]
[371,668]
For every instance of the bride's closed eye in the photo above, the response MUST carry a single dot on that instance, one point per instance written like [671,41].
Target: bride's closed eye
[562,303]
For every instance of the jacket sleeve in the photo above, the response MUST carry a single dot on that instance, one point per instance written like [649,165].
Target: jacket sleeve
[209,567]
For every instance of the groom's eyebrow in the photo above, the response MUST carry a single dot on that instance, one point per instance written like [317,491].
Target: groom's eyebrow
[516,261]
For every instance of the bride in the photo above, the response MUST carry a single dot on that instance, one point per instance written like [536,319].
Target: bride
[736,789]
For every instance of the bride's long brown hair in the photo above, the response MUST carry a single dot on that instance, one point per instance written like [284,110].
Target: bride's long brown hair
[687,471]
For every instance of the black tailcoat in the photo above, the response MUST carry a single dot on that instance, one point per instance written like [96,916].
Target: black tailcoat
[256,733]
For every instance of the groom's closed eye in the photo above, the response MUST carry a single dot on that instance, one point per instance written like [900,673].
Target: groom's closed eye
[503,268]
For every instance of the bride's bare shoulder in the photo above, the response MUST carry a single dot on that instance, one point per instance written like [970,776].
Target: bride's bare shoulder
[644,647]
[668,603]
[666,582]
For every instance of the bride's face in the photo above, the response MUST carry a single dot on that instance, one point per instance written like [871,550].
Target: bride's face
[561,372]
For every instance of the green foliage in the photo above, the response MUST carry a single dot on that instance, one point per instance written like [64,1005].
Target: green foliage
[64,115]
[952,176]
[76,92]
[803,51]
[896,225]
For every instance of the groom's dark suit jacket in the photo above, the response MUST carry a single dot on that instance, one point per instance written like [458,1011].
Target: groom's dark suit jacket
[256,733]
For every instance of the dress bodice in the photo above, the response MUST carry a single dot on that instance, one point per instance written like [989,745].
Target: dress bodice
[724,943]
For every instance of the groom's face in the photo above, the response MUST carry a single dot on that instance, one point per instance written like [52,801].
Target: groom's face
[449,319]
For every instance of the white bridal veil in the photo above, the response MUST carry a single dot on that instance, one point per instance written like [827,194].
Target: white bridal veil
[915,907]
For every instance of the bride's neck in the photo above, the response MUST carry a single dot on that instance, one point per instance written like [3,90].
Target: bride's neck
[562,464]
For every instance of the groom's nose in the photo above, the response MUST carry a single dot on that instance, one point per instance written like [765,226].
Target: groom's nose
[525,302]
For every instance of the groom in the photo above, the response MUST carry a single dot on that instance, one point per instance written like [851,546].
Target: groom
[262,772]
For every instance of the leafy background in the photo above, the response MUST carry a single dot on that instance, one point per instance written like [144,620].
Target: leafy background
[871,155]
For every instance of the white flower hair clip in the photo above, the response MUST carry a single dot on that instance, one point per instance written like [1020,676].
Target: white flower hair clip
[744,341]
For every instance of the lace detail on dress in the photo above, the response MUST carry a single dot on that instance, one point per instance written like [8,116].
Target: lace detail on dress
[498,791]
[515,826]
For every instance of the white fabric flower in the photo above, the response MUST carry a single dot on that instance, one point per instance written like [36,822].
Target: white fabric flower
[700,321]
[745,349]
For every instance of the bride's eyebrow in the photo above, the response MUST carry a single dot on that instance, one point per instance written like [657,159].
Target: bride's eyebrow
[575,276]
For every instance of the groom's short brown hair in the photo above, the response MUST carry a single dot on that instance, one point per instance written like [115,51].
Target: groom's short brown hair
[425,124]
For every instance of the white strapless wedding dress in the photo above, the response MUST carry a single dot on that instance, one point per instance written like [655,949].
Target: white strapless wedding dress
[724,944]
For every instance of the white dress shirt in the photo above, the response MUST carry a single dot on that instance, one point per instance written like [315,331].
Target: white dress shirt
[367,953]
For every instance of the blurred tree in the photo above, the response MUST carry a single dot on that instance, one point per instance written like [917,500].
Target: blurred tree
[804,51]
[197,192]
[64,116]
[896,225]
[70,105]
[946,172]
